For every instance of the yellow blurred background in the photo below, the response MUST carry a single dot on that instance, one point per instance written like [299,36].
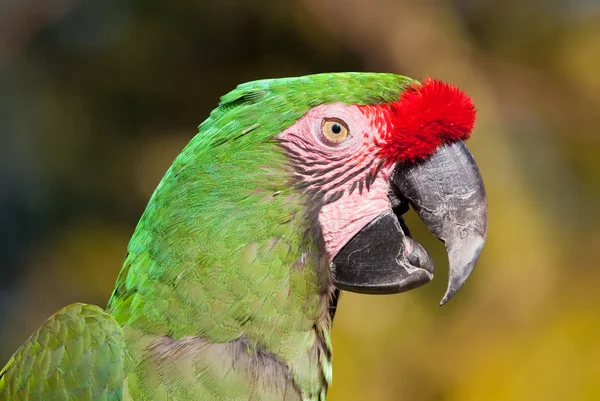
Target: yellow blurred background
[97,98]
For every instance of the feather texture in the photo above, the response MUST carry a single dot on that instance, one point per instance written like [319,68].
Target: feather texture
[78,354]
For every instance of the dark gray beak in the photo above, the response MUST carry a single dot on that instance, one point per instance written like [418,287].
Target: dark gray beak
[448,194]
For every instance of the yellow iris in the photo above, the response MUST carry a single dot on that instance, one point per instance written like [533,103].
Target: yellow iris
[334,130]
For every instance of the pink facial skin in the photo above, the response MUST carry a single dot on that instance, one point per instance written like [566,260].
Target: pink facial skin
[349,177]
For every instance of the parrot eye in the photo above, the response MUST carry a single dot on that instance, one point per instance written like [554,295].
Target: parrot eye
[334,131]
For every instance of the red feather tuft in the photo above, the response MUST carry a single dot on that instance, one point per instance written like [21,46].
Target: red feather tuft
[425,117]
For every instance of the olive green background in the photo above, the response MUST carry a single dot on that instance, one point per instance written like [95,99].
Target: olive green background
[97,98]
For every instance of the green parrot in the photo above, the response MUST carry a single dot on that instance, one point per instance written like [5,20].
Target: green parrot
[293,189]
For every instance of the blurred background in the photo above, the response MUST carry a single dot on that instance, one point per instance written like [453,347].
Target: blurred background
[97,98]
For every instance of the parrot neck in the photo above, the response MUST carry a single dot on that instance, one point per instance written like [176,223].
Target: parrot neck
[225,252]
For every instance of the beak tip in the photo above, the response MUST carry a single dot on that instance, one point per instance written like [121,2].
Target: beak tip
[450,293]
[469,256]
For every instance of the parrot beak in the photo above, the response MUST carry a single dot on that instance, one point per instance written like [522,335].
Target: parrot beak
[447,192]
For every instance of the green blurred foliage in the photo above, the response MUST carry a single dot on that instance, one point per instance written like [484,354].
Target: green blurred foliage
[96,99]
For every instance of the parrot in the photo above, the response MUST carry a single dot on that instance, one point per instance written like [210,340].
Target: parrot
[292,191]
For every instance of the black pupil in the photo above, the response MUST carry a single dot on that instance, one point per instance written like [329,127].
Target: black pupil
[336,128]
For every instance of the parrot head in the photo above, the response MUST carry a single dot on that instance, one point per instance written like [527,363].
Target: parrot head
[294,187]
[361,167]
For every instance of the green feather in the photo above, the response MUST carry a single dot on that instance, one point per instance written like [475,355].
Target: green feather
[77,354]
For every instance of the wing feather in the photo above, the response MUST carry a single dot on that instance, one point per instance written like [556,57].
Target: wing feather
[77,354]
